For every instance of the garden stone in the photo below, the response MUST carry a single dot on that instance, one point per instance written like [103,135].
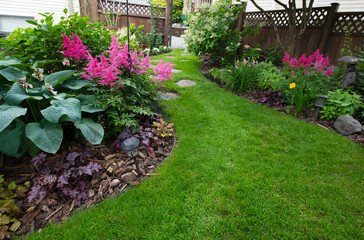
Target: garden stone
[347,125]
[184,60]
[168,95]
[129,177]
[185,83]
[176,70]
[152,66]
[114,183]
[170,56]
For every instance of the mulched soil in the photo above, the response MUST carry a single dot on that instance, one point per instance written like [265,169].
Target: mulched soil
[257,95]
[117,175]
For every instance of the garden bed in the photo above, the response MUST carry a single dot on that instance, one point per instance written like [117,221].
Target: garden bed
[257,95]
[117,174]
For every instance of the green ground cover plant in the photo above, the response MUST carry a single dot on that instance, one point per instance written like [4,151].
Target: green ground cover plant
[341,102]
[239,171]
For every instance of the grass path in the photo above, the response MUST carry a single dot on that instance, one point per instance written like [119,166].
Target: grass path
[239,171]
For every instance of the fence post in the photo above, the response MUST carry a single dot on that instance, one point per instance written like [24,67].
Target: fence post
[240,25]
[166,25]
[89,8]
[330,20]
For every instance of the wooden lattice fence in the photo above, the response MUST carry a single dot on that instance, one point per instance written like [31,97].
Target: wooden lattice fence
[138,14]
[325,31]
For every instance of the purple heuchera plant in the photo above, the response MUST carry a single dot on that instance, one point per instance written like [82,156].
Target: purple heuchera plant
[69,176]
[273,98]
[39,159]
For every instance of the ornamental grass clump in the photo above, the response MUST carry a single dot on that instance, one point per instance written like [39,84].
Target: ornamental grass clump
[305,78]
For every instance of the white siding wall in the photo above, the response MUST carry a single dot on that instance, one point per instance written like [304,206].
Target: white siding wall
[11,9]
[345,5]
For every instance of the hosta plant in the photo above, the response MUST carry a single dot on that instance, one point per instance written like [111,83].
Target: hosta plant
[33,109]
[341,102]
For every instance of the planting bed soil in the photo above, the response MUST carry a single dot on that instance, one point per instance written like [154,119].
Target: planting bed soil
[117,174]
[257,95]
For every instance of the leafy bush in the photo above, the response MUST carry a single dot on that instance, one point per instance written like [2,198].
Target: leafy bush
[43,42]
[305,78]
[68,177]
[251,54]
[273,55]
[33,109]
[268,76]
[360,79]
[177,9]
[123,88]
[211,31]
[8,209]
[340,103]
[239,76]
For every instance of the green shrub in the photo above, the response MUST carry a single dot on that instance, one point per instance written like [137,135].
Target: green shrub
[44,41]
[360,78]
[177,9]
[34,108]
[211,31]
[340,103]
[273,55]
[268,76]
[126,106]
[238,77]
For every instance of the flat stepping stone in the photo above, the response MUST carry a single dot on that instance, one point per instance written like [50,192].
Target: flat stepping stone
[176,71]
[152,66]
[185,54]
[185,83]
[170,56]
[166,95]
[156,61]
[184,60]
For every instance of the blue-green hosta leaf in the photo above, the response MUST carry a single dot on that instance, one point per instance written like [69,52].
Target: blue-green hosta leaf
[9,62]
[12,140]
[92,131]
[12,74]
[45,135]
[60,96]
[58,77]
[17,94]
[9,113]
[77,84]
[39,91]
[70,107]
[88,103]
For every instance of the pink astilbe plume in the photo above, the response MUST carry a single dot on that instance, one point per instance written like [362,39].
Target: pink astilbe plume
[114,62]
[163,72]
[75,48]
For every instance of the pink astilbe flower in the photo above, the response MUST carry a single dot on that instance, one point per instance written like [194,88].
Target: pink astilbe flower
[163,72]
[286,58]
[75,48]
[293,63]
[114,63]
[329,71]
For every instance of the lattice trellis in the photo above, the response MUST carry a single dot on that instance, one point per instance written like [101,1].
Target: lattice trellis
[134,9]
[352,22]
[317,19]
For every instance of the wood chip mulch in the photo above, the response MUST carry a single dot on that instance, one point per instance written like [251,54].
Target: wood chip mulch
[117,175]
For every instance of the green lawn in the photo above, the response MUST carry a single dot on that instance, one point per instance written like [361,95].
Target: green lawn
[239,171]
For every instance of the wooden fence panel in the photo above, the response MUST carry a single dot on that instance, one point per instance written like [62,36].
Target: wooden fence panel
[325,31]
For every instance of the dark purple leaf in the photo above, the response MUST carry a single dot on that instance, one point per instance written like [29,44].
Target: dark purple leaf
[36,192]
[146,142]
[95,167]
[82,185]
[63,180]
[39,159]
[150,149]
[84,170]
[71,157]
[84,155]
[82,196]
[72,193]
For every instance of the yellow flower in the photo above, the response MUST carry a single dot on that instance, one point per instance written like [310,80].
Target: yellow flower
[292,85]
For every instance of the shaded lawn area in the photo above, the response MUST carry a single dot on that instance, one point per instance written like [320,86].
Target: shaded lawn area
[239,171]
